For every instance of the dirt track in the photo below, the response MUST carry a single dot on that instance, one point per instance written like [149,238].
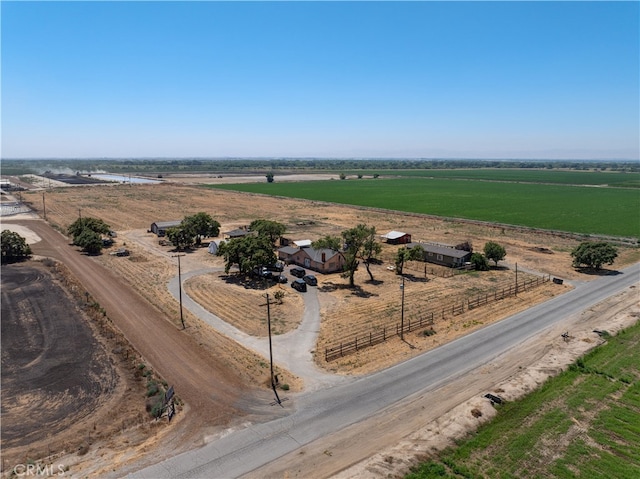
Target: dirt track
[215,396]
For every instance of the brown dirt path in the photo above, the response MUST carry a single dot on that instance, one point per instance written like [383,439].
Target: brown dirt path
[211,389]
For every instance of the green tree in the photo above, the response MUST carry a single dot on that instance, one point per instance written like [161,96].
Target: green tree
[202,225]
[14,247]
[94,224]
[343,176]
[248,252]
[405,254]
[87,233]
[269,177]
[593,254]
[359,244]
[494,252]
[271,229]
[89,241]
[479,262]
[182,236]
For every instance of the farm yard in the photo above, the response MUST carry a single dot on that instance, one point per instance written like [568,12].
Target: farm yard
[345,312]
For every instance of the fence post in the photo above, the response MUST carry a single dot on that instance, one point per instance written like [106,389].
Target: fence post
[384,334]
[341,349]
[370,338]
[356,343]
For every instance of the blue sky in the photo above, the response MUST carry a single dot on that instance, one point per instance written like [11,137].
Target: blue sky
[321,79]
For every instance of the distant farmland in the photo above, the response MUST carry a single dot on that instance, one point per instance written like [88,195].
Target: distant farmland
[577,178]
[578,209]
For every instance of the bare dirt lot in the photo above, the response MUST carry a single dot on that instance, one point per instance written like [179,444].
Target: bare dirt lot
[130,210]
[63,372]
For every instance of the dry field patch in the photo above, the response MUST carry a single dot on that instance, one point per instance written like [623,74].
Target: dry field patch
[243,304]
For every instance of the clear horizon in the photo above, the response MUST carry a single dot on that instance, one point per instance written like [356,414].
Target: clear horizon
[495,81]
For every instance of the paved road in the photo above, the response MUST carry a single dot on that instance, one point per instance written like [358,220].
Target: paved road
[320,413]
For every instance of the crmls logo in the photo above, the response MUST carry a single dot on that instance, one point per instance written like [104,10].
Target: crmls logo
[38,470]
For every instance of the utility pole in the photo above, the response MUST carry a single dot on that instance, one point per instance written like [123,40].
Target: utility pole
[273,383]
[402,311]
[516,279]
[44,208]
[180,288]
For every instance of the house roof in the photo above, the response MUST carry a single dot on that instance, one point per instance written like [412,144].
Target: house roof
[439,249]
[167,224]
[289,250]
[394,235]
[316,254]
[313,254]
[237,233]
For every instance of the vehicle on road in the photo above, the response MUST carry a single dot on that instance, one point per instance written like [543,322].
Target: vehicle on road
[310,279]
[281,278]
[298,272]
[299,285]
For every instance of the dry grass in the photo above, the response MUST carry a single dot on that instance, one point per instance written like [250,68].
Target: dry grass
[130,210]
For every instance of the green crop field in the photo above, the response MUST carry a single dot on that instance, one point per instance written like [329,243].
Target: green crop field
[582,423]
[578,209]
[595,178]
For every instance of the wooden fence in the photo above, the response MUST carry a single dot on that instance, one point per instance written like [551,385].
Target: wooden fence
[376,337]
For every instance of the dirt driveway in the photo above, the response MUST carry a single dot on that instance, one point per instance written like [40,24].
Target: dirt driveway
[216,398]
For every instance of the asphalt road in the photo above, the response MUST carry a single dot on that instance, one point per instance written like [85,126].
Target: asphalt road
[317,414]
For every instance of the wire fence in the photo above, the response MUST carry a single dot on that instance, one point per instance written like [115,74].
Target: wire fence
[346,347]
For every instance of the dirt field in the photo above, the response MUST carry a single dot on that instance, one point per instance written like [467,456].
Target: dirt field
[130,210]
[64,372]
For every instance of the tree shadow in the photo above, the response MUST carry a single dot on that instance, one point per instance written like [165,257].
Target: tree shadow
[328,287]
[599,272]
[415,279]
[247,282]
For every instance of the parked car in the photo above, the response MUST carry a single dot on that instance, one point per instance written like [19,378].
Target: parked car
[281,278]
[262,272]
[299,285]
[298,272]
[311,280]
[278,266]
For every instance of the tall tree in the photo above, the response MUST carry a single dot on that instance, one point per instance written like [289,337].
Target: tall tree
[405,254]
[359,244]
[87,233]
[248,252]
[593,254]
[271,229]
[94,224]
[14,247]
[269,177]
[494,252]
[182,236]
[89,241]
[202,225]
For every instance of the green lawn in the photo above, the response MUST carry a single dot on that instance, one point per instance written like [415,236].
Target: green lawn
[582,423]
[579,209]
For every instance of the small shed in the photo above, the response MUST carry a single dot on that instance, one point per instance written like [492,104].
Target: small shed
[397,237]
[214,246]
[160,227]
[237,233]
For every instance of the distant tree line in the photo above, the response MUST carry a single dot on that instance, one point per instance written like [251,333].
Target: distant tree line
[269,165]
